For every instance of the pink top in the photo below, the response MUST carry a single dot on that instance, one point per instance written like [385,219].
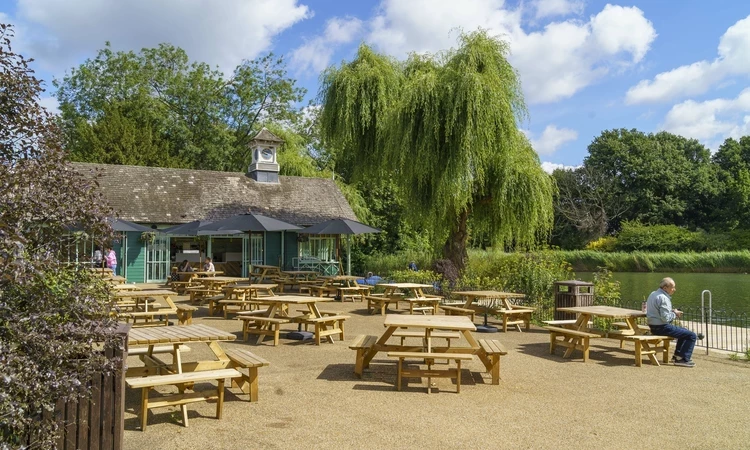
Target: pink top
[111,258]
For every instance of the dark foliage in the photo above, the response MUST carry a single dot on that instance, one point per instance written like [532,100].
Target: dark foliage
[54,320]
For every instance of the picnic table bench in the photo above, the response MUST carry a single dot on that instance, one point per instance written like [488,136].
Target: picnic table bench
[572,339]
[182,398]
[429,359]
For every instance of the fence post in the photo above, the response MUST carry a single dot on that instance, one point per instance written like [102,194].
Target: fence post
[703,315]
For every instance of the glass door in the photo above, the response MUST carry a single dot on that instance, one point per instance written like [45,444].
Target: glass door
[157,259]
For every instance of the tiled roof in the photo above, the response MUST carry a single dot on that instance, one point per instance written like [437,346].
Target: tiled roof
[172,196]
[265,135]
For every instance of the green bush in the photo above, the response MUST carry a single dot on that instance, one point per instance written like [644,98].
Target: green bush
[590,261]
[606,293]
[657,238]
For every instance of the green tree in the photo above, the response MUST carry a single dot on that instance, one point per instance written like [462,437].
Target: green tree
[445,127]
[661,178]
[183,113]
[54,319]
[732,162]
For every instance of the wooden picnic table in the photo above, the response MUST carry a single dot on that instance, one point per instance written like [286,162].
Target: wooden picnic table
[413,294]
[269,320]
[631,332]
[176,337]
[260,272]
[141,310]
[301,274]
[342,286]
[242,295]
[396,322]
[125,287]
[511,314]
[219,282]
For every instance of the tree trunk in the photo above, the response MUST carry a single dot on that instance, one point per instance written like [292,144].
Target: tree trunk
[455,246]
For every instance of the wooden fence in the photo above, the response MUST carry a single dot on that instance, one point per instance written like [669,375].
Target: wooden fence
[97,423]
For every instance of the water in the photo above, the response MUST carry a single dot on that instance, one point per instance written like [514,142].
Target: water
[729,290]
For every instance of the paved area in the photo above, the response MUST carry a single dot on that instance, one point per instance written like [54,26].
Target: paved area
[310,398]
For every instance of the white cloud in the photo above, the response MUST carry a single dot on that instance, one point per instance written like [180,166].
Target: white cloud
[550,167]
[552,8]
[59,33]
[315,55]
[554,63]
[552,138]
[50,104]
[711,121]
[697,78]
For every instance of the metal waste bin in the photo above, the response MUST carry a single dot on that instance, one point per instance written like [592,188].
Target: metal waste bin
[572,293]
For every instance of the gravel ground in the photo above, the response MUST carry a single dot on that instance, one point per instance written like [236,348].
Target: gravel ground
[310,398]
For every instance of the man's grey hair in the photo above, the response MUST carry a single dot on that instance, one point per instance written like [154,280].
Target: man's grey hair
[666,282]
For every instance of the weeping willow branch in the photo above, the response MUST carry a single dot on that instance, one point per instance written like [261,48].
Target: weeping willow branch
[445,128]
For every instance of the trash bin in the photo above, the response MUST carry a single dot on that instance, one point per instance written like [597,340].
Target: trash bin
[572,293]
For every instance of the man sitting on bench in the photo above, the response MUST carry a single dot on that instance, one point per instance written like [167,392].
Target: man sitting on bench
[660,314]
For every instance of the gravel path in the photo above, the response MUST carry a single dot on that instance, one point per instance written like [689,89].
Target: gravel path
[310,398]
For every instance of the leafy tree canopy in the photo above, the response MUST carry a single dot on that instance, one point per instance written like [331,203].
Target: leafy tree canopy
[157,108]
[445,128]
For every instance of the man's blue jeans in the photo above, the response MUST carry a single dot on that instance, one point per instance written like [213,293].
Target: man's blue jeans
[685,339]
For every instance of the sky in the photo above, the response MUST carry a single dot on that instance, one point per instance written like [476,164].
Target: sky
[585,65]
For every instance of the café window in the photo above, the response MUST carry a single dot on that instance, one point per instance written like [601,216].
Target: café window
[320,246]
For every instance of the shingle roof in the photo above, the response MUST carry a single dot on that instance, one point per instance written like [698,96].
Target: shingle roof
[161,195]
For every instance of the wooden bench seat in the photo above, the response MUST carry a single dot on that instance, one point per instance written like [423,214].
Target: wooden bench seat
[198,294]
[447,335]
[458,311]
[327,326]
[185,314]
[244,359]
[154,317]
[643,347]
[362,344]
[494,350]
[429,359]
[423,305]
[257,325]
[623,325]
[319,291]
[241,306]
[139,351]
[562,323]
[515,317]
[182,398]
[375,302]
[180,286]
[572,340]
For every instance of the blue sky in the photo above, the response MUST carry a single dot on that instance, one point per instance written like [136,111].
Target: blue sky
[586,66]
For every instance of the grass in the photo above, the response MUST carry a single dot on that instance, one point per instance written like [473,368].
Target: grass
[726,262]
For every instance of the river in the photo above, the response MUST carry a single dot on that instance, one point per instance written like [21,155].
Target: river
[729,290]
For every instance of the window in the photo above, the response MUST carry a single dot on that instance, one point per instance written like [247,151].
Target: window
[321,246]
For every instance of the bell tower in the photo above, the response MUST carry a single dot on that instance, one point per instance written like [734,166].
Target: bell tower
[264,167]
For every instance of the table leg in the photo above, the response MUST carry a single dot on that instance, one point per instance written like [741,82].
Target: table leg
[181,388]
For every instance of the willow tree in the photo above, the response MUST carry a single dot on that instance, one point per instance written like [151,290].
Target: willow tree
[445,128]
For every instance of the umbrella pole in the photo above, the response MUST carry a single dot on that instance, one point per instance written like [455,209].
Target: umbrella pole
[348,255]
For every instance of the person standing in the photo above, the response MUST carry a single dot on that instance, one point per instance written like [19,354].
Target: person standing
[96,260]
[111,258]
[660,314]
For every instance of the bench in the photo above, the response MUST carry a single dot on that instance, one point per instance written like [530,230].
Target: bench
[155,317]
[182,398]
[318,291]
[242,306]
[458,311]
[430,372]
[180,286]
[197,294]
[567,323]
[185,314]
[140,351]
[494,350]
[572,339]
[327,326]
[255,325]
[642,347]
[447,335]
[362,344]
[516,317]
[423,304]
[243,359]
[381,302]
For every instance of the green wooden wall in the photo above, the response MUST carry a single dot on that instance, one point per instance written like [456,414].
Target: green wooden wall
[136,258]
[290,249]
[273,248]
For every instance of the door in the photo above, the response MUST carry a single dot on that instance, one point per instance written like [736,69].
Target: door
[157,259]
